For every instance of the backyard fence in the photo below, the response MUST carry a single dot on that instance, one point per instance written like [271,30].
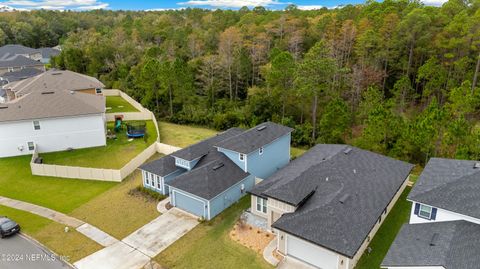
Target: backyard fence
[116,175]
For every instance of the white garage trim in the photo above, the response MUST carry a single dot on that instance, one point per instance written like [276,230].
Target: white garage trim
[310,253]
[193,197]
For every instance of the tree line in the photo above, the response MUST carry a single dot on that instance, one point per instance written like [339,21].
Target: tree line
[395,77]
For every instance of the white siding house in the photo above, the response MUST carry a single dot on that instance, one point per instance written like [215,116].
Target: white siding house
[53,134]
[52,121]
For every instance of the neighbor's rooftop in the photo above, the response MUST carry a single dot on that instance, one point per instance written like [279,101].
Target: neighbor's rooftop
[49,104]
[340,191]
[451,244]
[450,184]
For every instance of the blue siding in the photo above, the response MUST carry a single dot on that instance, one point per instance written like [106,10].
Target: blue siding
[275,156]
[230,196]
[234,156]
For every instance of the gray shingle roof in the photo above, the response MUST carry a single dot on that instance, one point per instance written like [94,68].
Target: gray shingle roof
[49,52]
[210,179]
[449,184]
[21,74]
[18,61]
[452,244]
[202,148]
[341,192]
[55,80]
[255,137]
[14,49]
[38,105]
[162,167]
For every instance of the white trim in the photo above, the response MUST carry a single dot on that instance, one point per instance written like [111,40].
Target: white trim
[241,157]
[420,210]
[260,151]
[461,216]
[262,204]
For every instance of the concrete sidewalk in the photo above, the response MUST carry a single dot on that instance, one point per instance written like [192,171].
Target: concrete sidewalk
[88,230]
[136,250]
[268,252]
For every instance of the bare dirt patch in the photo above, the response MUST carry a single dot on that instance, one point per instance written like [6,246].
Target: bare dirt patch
[251,237]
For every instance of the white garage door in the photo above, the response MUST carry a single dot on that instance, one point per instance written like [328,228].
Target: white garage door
[311,253]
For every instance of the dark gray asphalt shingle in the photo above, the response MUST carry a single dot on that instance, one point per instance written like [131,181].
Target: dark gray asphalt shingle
[202,148]
[455,245]
[255,137]
[21,74]
[18,61]
[449,184]
[14,49]
[365,181]
[210,179]
[161,167]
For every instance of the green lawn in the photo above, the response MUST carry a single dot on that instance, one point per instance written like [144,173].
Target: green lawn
[64,195]
[73,244]
[118,104]
[116,211]
[209,246]
[386,234]
[185,135]
[115,155]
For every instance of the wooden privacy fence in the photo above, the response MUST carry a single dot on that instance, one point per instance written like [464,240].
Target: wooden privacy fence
[115,175]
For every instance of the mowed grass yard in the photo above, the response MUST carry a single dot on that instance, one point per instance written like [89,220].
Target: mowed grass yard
[73,244]
[115,155]
[383,239]
[184,135]
[209,246]
[118,212]
[117,104]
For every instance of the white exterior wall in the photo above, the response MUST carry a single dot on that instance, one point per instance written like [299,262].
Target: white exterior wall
[442,215]
[55,134]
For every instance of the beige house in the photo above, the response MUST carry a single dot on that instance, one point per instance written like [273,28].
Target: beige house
[326,205]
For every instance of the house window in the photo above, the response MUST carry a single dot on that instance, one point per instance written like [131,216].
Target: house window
[36,125]
[10,69]
[159,181]
[31,146]
[425,211]
[241,157]
[260,151]
[147,179]
[261,205]
[98,91]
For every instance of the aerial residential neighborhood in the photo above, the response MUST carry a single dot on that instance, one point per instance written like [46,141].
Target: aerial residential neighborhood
[222,134]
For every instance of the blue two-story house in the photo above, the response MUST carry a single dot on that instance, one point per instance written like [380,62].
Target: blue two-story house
[207,177]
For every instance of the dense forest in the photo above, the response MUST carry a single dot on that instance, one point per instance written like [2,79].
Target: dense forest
[395,77]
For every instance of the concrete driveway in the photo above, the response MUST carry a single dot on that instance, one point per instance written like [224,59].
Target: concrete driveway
[137,249]
[292,263]
[19,252]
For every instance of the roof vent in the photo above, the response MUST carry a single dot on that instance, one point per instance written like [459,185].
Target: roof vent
[218,166]
[476,165]
[261,128]
[347,150]
[434,240]
[48,92]
[72,92]
[344,198]
[56,74]
[3,107]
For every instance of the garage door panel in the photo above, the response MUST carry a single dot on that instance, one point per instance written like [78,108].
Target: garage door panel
[310,253]
[189,204]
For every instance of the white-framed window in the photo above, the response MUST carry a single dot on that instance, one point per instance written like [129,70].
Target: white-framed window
[98,91]
[147,178]
[182,162]
[31,146]
[241,157]
[425,211]
[261,205]
[260,151]
[36,125]
[10,69]
[159,183]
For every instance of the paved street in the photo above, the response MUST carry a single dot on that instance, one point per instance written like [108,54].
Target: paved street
[18,252]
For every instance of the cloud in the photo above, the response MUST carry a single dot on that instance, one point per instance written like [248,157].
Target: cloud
[310,7]
[231,3]
[436,3]
[56,4]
